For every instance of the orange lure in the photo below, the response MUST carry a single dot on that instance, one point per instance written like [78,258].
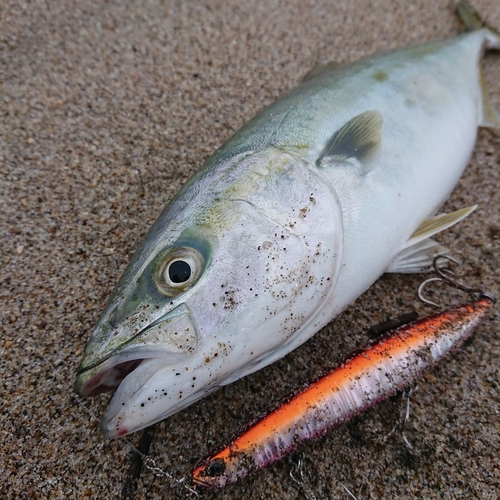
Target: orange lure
[380,370]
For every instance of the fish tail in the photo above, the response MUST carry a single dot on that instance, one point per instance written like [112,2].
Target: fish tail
[490,117]
[469,16]
[474,22]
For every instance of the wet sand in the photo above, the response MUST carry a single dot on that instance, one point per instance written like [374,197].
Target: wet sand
[107,109]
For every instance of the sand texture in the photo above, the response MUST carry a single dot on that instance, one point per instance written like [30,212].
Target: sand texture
[106,110]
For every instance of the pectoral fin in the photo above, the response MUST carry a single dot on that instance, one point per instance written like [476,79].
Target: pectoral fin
[359,138]
[420,250]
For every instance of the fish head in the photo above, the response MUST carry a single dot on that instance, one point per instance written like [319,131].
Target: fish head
[240,262]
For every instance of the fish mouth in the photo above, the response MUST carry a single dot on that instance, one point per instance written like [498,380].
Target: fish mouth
[170,338]
[107,380]
[130,378]
[107,375]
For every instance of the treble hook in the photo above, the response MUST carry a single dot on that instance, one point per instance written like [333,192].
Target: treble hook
[444,274]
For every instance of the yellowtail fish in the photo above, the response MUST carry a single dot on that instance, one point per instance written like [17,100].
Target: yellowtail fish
[289,222]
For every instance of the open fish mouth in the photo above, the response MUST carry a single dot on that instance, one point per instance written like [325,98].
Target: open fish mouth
[110,373]
[131,380]
[170,339]
[107,379]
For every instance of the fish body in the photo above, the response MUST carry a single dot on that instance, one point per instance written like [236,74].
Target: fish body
[372,375]
[288,223]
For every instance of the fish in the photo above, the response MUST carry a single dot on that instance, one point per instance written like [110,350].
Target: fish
[378,371]
[292,219]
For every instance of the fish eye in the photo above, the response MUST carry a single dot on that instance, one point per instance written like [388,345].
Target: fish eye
[179,270]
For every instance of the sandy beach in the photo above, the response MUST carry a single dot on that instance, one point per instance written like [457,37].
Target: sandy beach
[107,108]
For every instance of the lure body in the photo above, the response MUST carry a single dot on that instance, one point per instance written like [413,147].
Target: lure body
[374,374]
[288,223]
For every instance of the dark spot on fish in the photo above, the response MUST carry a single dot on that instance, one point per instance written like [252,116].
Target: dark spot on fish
[380,76]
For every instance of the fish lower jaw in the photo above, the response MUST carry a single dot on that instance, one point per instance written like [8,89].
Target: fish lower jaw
[125,413]
[112,429]
[116,425]
[122,423]
[147,396]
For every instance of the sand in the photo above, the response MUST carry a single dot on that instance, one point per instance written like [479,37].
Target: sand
[106,109]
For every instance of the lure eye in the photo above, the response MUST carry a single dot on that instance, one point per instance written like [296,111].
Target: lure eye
[179,270]
[216,467]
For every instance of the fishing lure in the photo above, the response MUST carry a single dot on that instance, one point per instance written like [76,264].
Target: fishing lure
[377,372]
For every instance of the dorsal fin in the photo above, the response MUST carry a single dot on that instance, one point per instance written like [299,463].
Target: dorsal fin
[358,138]
[319,69]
